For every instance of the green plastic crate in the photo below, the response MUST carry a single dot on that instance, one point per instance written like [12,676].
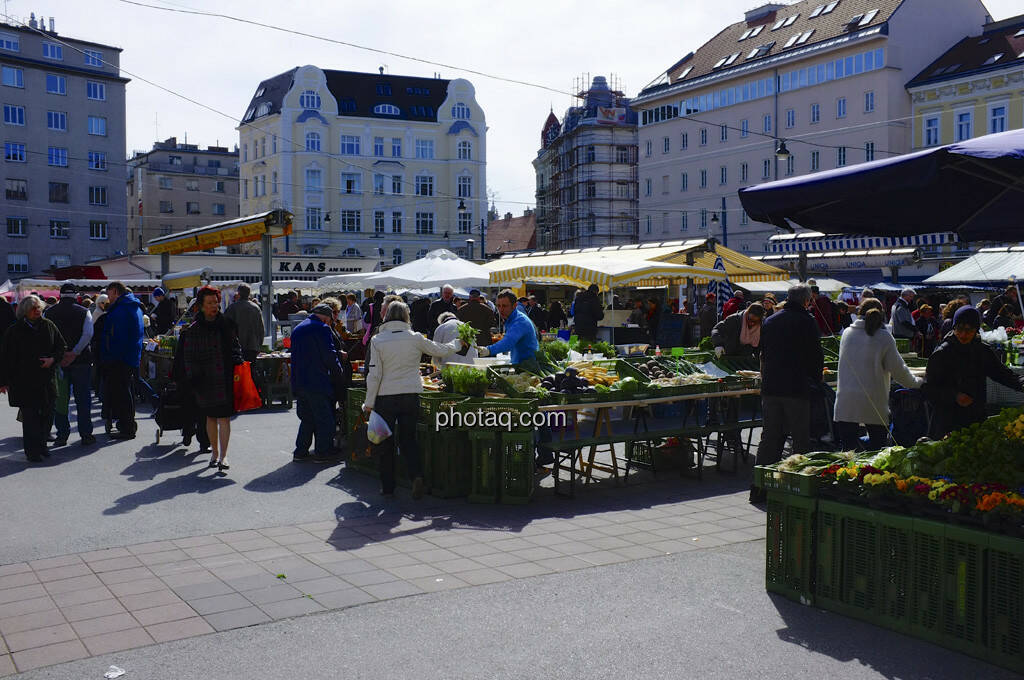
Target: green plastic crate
[828,559]
[854,589]
[485,451]
[963,572]
[768,478]
[789,549]
[450,464]
[488,409]
[517,467]
[926,582]
[432,403]
[1004,595]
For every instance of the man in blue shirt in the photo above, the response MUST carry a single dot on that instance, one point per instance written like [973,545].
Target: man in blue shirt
[316,370]
[520,335]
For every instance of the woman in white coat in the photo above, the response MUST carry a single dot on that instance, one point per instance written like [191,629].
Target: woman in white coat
[868,363]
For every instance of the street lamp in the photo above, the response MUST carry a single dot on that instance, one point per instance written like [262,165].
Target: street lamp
[462,206]
[714,219]
[327,218]
[781,152]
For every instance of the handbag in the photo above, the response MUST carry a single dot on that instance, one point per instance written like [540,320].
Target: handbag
[247,397]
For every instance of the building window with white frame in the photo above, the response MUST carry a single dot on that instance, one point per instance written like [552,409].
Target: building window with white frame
[931,131]
[351,221]
[997,118]
[378,184]
[273,182]
[841,107]
[396,147]
[17,263]
[97,126]
[964,126]
[309,99]
[790,118]
[684,182]
[378,221]
[60,229]
[313,141]
[703,219]
[703,136]
[12,77]
[57,156]
[396,185]
[815,113]
[351,182]
[684,142]
[219,209]
[703,179]
[869,151]
[378,147]
[744,172]
[684,222]
[17,226]
[744,218]
[95,91]
[425,149]
[56,84]
[647,186]
[396,222]
[314,179]
[58,261]
[647,148]
[97,196]
[840,156]
[723,133]
[92,58]
[766,168]
[311,251]
[744,128]
[350,145]
[314,219]
[767,123]
[465,150]
[465,187]
[790,164]
[396,256]
[869,101]
[666,146]
[723,175]
[647,224]
[53,51]
[424,223]
[57,120]
[14,152]
[98,230]
[10,42]
[815,161]
[424,185]
[460,112]
[14,115]
[465,223]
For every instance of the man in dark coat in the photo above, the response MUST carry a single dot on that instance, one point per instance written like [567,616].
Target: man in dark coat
[163,316]
[479,316]
[587,311]
[439,307]
[708,315]
[248,319]
[29,354]
[1009,297]
[7,317]
[121,352]
[537,314]
[957,369]
[791,363]
[419,311]
[75,325]
[316,370]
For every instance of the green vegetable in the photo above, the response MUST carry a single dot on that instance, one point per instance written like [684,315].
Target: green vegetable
[627,385]
[602,389]
[554,350]
[467,334]
[465,380]
[605,348]
[706,344]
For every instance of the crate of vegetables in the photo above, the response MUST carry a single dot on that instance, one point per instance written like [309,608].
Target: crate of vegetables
[584,382]
[520,384]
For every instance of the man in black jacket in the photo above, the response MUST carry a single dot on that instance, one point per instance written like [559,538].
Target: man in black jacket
[75,324]
[1009,297]
[586,313]
[7,317]
[791,362]
[164,313]
[537,314]
[439,307]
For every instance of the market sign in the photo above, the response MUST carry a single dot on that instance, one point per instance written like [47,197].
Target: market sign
[313,267]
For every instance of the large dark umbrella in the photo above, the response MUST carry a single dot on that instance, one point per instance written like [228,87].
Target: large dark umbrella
[974,188]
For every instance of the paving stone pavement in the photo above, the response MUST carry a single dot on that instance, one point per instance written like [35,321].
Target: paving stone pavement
[70,607]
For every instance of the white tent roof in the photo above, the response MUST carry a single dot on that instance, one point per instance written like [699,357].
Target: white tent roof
[824,284]
[993,266]
[433,270]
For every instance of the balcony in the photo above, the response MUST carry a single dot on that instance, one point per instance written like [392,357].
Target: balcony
[191,169]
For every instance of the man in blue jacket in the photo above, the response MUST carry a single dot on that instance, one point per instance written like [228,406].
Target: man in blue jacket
[120,354]
[520,335]
[316,369]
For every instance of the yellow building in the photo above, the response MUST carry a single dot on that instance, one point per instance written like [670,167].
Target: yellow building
[371,164]
[976,88]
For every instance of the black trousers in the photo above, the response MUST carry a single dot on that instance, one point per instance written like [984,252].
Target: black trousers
[849,436]
[400,412]
[784,416]
[120,395]
[35,425]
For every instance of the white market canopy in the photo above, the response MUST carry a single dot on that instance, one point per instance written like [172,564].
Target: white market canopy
[825,285]
[993,267]
[25,286]
[433,270]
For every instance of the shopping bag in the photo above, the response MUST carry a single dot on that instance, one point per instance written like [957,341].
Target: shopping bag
[377,429]
[247,397]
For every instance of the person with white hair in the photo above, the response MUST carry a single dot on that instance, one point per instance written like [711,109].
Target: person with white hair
[29,354]
[448,330]
[902,321]
[439,307]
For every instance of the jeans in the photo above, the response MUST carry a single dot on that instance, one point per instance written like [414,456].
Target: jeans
[78,377]
[35,424]
[400,412]
[120,396]
[316,418]
[849,436]
[784,416]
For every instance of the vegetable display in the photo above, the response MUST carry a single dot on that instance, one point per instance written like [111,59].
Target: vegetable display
[467,333]
[466,380]
[553,350]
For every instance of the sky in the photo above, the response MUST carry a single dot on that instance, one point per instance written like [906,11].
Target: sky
[219,62]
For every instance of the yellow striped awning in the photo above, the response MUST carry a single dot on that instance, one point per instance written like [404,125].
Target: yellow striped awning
[606,272]
[241,230]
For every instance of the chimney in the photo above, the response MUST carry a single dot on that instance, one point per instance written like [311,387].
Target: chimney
[32,20]
[508,216]
[52,26]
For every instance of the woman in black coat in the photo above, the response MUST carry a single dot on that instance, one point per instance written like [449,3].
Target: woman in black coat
[955,378]
[30,351]
[204,363]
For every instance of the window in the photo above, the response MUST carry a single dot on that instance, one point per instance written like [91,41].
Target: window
[815,161]
[57,156]
[93,58]
[16,226]
[98,230]
[218,187]
[424,185]
[14,115]
[723,133]
[97,126]
[963,126]
[869,151]
[351,220]
[684,222]
[350,145]
[378,221]
[59,228]
[166,183]
[218,209]
[192,207]
[723,175]
[790,164]
[684,182]
[9,42]
[396,147]
[350,252]
[647,224]
[57,120]
[12,77]
[351,183]
[840,156]
[425,148]
[396,256]
[273,186]
[273,144]
[424,223]
[703,136]
[592,187]
[53,51]
[703,179]
[14,152]
[312,141]
[869,102]
[17,263]
[56,84]
[379,109]
[314,180]
[95,91]
[309,100]
[174,160]
[465,187]
[97,195]
[311,250]
[647,148]
[767,126]
[314,219]
[666,146]
[396,222]
[622,189]
[97,160]
[841,107]
[59,192]
[166,207]
[815,113]
[766,168]
[460,111]
[684,143]
[744,128]
[60,261]
[396,184]
[744,172]
[378,184]
[931,131]
[465,150]
[465,223]
[703,218]
[997,119]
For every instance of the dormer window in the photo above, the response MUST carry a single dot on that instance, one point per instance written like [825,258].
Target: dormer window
[460,112]
[259,92]
[263,109]
[387,110]
[310,100]
[993,59]
[791,20]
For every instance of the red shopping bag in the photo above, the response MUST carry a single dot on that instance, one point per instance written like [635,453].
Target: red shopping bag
[247,397]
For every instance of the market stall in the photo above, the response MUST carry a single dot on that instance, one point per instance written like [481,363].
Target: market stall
[51,287]
[435,269]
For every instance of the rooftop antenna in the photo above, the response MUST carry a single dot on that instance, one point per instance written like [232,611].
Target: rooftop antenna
[156,125]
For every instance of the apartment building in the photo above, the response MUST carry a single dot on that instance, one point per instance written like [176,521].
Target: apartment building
[789,90]
[64,140]
[175,187]
[586,172]
[372,165]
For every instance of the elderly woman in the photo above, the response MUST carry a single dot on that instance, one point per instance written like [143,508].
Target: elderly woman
[393,385]
[448,330]
[739,334]
[868,362]
[29,353]
[204,362]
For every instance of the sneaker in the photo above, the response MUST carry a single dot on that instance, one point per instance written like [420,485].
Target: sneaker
[324,458]
[88,440]
[60,441]
[303,457]
[417,488]
[122,435]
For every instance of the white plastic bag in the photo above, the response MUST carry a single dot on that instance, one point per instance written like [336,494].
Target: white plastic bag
[377,429]
[998,336]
